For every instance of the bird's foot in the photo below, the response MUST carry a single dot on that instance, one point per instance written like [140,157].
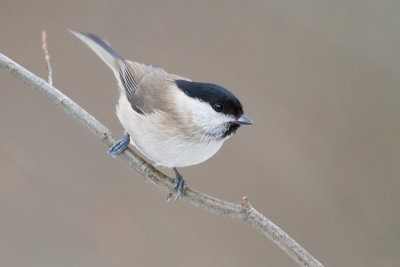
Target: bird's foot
[179,186]
[119,146]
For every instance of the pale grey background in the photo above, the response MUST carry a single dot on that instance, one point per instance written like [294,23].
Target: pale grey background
[319,78]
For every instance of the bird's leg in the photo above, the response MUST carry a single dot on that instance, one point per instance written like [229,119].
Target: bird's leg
[119,146]
[179,186]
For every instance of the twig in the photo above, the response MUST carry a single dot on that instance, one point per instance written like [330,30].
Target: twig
[245,202]
[149,173]
[47,57]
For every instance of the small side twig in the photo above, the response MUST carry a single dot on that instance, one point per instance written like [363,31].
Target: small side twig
[245,211]
[47,57]
[245,202]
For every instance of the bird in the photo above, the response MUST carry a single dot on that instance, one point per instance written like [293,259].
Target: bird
[173,121]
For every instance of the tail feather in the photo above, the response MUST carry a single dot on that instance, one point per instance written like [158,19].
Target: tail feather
[100,47]
[128,73]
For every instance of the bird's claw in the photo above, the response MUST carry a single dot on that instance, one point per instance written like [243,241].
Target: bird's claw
[119,146]
[179,186]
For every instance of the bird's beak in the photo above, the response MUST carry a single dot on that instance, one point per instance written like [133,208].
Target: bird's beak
[244,120]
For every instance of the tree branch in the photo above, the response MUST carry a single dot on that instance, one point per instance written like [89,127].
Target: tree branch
[244,211]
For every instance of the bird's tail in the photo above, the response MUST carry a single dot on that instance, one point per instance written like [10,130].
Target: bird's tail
[128,73]
[100,47]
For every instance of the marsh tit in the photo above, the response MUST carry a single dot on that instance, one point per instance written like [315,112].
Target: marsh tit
[171,120]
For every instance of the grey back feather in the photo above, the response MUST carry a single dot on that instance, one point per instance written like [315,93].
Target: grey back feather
[128,73]
[147,88]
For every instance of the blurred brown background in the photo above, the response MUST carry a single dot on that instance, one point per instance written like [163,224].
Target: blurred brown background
[320,80]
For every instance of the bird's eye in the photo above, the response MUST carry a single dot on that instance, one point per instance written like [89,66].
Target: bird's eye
[218,107]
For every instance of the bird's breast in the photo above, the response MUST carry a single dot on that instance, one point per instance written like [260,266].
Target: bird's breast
[161,140]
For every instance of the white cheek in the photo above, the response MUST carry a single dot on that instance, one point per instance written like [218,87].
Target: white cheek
[202,114]
[206,116]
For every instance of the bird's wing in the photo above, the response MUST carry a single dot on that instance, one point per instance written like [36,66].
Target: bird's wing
[129,74]
[155,92]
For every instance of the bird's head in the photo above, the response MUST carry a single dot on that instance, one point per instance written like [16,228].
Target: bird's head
[214,109]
